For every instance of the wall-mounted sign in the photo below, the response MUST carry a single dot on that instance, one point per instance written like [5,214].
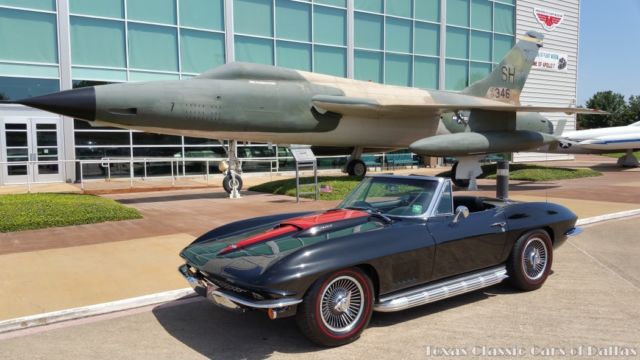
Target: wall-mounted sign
[551,61]
[549,19]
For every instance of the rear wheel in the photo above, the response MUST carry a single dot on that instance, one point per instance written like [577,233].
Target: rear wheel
[530,261]
[337,308]
[356,168]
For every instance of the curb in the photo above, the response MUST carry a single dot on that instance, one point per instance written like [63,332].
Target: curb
[30,321]
[607,217]
[163,297]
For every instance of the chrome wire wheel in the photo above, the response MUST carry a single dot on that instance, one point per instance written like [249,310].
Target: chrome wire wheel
[341,304]
[535,258]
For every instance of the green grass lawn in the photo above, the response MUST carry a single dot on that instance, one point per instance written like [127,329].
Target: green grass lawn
[528,172]
[37,211]
[619,155]
[340,186]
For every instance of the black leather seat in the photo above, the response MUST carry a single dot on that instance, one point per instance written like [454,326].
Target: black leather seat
[473,203]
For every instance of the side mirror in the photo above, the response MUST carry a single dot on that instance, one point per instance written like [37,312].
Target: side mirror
[461,211]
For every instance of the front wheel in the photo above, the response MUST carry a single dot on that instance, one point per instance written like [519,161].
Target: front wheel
[530,261]
[229,181]
[337,308]
[356,168]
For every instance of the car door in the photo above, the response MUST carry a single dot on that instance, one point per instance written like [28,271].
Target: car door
[469,244]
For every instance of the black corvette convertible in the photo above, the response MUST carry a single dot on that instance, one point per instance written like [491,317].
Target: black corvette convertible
[394,243]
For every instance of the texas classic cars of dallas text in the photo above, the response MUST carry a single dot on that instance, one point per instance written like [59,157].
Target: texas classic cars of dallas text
[395,242]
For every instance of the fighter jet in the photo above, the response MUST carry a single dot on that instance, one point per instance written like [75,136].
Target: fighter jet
[250,102]
[601,141]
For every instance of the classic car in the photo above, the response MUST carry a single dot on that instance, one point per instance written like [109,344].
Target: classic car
[395,242]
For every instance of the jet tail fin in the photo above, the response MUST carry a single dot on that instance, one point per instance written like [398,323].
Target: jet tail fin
[506,81]
[560,127]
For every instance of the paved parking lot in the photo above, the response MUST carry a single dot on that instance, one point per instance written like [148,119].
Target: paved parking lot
[589,306]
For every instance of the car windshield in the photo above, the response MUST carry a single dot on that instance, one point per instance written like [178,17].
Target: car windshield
[392,196]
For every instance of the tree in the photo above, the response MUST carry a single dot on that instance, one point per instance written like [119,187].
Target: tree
[633,108]
[608,101]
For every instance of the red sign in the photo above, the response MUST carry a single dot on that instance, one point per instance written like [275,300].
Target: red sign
[547,18]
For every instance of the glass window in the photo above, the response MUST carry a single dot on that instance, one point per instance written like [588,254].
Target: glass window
[398,70]
[330,60]
[162,11]
[368,31]
[104,138]
[399,37]
[501,46]
[478,71]
[153,47]
[427,39]
[201,50]
[368,66]
[142,138]
[253,17]
[293,55]
[158,152]
[14,88]
[480,46]
[97,42]
[425,72]
[445,206]
[457,43]
[18,28]
[428,10]
[293,20]
[512,2]
[341,3]
[83,153]
[458,12]
[456,74]
[370,5]
[481,14]
[330,25]
[106,8]
[200,141]
[31,4]
[400,8]
[204,14]
[254,50]
[504,19]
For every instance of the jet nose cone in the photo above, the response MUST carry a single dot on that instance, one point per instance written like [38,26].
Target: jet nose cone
[76,103]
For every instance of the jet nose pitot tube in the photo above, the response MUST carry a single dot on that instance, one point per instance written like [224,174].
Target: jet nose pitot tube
[76,103]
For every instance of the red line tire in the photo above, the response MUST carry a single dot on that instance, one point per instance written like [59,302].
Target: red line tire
[337,308]
[530,261]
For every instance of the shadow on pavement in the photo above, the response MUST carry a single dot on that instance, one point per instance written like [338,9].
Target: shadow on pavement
[218,333]
[177,197]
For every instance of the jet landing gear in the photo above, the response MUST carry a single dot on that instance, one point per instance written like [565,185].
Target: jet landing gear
[355,166]
[232,181]
[628,160]
[465,171]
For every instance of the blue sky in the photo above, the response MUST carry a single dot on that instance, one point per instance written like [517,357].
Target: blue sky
[609,54]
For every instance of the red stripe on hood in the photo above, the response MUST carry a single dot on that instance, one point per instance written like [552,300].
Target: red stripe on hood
[282,230]
[296,224]
[330,216]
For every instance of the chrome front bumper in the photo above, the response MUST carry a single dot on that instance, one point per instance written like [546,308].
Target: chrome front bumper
[229,300]
[573,232]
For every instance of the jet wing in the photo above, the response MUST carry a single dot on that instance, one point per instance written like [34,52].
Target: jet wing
[370,107]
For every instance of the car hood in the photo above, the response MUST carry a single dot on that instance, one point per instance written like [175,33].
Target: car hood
[248,253]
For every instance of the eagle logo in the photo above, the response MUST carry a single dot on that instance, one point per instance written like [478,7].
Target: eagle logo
[547,18]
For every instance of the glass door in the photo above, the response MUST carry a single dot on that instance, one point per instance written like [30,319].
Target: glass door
[32,148]
[16,140]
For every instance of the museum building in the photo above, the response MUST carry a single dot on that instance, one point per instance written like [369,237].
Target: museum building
[53,45]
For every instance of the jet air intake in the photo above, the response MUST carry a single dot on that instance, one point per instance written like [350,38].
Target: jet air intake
[471,143]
